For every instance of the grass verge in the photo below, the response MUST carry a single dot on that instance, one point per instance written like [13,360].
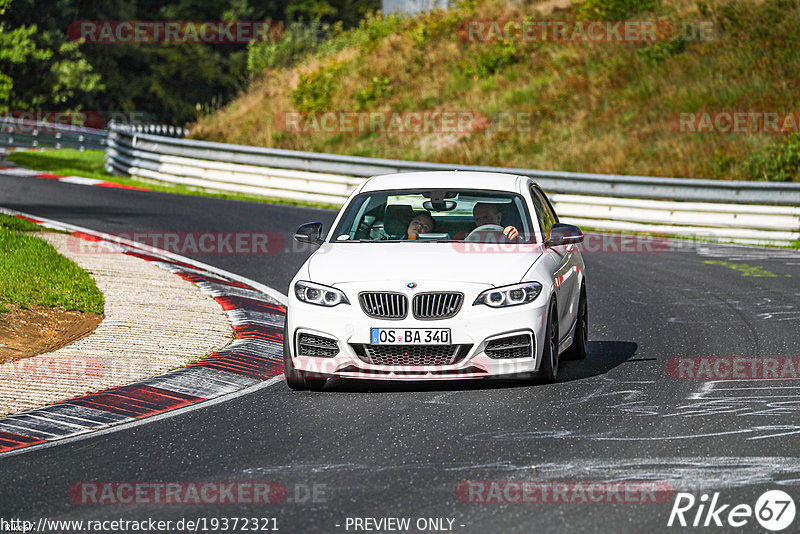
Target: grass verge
[90,164]
[16,224]
[33,273]
[66,161]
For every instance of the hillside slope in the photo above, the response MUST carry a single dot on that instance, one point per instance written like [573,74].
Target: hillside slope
[611,106]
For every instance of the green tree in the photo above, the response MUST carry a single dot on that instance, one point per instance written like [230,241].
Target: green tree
[309,10]
[173,83]
[41,70]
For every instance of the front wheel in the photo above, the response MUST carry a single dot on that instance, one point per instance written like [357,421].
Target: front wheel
[548,370]
[580,343]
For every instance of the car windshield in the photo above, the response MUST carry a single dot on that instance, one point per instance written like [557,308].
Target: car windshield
[434,215]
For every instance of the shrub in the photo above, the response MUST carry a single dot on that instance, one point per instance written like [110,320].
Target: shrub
[661,51]
[315,90]
[614,9]
[775,163]
[434,24]
[493,59]
[377,88]
[374,28]
[299,40]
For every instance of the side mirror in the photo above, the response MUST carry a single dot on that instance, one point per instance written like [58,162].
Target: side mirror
[310,233]
[564,234]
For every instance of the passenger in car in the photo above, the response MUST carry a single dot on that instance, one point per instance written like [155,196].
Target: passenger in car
[420,224]
[485,213]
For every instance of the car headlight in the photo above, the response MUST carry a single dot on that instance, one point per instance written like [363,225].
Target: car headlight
[318,294]
[501,297]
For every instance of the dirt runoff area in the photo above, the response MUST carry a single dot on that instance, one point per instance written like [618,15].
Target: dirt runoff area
[25,333]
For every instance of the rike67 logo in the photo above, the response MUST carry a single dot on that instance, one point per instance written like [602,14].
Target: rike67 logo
[774,510]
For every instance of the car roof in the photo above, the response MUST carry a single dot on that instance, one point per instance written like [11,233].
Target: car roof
[490,181]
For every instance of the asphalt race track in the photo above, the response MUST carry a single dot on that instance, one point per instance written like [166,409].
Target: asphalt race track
[377,450]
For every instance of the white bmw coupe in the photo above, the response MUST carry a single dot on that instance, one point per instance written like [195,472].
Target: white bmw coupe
[437,275]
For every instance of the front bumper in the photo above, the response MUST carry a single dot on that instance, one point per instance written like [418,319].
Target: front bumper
[473,326]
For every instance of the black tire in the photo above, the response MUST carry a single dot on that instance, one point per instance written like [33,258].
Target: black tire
[315,383]
[548,370]
[580,343]
[299,380]
[294,378]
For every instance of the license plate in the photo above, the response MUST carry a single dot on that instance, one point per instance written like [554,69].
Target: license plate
[410,336]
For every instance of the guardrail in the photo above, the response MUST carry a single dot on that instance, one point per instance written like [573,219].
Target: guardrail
[746,212]
[20,133]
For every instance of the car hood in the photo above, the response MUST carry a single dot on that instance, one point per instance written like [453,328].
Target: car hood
[413,262]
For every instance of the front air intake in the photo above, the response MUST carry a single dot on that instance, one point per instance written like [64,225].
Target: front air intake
[318,346]
[408,355]
[519,346]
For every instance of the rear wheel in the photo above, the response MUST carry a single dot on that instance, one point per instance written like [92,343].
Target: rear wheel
[548,370]
[296,379]
[580,343]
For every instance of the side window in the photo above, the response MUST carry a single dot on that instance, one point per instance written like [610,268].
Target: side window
[544,212]
[549,208]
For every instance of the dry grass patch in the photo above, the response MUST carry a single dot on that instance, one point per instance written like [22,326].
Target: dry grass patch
[597,107]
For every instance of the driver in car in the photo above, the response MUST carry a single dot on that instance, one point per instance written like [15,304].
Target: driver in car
[486,213]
